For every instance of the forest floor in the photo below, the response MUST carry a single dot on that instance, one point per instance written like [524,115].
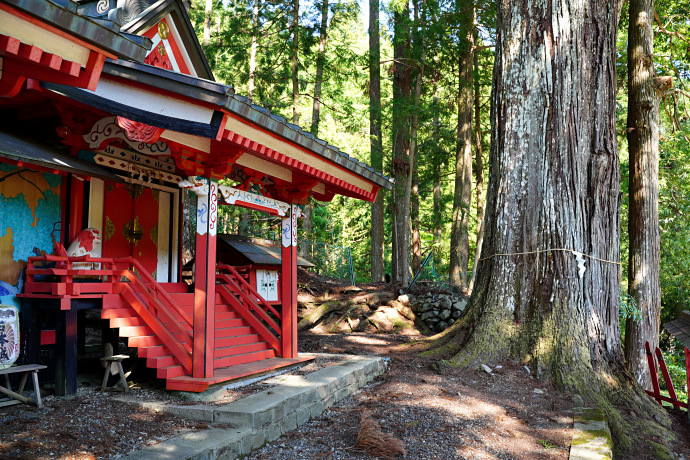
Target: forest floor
[437,411]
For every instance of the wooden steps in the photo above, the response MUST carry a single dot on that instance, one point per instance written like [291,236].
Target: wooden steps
[236,342]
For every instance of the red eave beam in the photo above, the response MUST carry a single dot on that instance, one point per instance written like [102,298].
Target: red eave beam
[282,159]
[22,61]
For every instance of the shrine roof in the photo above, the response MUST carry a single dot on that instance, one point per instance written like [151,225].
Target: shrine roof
[30,151]
[225,97]
[221,99]
[102,33]
[680,328]
[258,254]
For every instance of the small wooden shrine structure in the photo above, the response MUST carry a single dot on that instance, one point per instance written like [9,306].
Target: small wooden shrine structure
[259,261]
[111,123]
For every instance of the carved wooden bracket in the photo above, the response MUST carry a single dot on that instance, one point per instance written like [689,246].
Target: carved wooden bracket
[139,132]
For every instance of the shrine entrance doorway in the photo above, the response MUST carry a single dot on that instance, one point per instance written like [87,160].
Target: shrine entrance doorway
[137,223]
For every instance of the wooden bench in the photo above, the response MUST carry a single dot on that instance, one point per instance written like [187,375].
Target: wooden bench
[24,371]
[109,360]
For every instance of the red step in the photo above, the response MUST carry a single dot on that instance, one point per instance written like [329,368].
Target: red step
[236,340]
[170,371]
[233,331]
[153,352]
[244,358]
[118,313]
[161,361]
[135,331]
[144,341]
[126,322]
[235,350]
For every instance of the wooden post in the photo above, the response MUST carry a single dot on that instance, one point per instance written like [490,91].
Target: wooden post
[288,277]
[66,353]
[205,282]
[76,208]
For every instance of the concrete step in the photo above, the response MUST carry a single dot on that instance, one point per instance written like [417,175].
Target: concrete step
[262,417]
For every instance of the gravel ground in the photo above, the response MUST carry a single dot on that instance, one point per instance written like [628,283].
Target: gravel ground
[438,414]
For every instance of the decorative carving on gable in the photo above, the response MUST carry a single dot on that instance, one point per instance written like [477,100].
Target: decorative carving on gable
[158,57]
[139,132]
[132,8]
[107,130]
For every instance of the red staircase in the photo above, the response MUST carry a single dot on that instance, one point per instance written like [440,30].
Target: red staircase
[156,318]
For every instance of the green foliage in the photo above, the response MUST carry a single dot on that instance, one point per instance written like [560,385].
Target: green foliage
[628,307]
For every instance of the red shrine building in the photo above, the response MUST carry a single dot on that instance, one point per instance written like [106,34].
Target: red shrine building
[115,142]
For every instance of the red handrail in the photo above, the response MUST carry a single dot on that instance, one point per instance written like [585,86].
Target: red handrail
[176,338]
[247,286]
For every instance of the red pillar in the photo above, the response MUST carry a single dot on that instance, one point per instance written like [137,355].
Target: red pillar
[205,282]
[288,278]
[76,209]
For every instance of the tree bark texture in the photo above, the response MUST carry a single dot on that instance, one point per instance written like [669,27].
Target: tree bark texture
[376,142]
[402,167]
[252,52]
[320,61]
[459,235]
[208,12]
[643,219]
[294,67]
[478,161]
[437,216]
[553,193]
[306,228]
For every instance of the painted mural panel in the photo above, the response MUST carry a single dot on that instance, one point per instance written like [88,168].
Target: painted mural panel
[29,222]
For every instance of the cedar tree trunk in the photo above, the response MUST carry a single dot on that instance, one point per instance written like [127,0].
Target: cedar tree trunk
[643,219]
[295,50]
[478,161]
[402,167]
[376,142]
[459,235]
[252,52]
[554,193]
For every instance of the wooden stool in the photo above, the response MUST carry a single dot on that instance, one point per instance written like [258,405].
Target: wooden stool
[109,360]
[25,371]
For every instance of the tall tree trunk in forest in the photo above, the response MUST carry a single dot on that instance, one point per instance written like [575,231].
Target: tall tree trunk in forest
[376,142]
[306,229]
[316,108]
[437,215]
[402,167]
[208,12]
[547,290]
[643,220]
[414,216]
[252,52]
[413,178]
[459,234]
[478,159]
[295,51]
[320,61]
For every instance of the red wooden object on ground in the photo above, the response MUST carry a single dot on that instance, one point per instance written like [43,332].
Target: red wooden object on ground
[656,393]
